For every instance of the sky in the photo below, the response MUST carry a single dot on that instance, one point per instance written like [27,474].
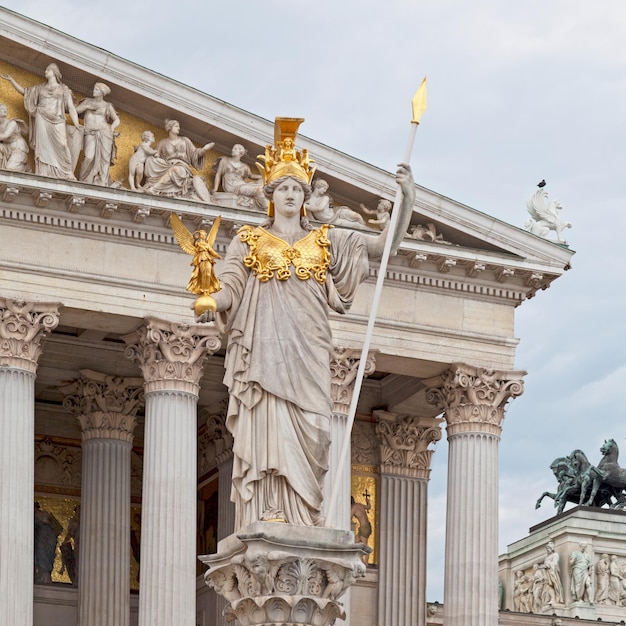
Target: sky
[518,92]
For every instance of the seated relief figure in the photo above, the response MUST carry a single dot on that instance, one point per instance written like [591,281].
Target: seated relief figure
[235,176]
[99,149]
[13,146]
[279,282]
[169,173]
[381,214]
[49,135]
[321,209]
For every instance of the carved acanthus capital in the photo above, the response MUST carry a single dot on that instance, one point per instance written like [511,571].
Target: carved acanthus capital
[279,574]
[473,398]
[404,441]
[23,326]
[171,356]
[105,405]
[215,443]
[344,365]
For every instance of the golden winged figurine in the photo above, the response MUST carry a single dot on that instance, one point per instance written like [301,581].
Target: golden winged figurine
[203,280]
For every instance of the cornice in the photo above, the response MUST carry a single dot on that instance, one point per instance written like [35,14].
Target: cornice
[99,212]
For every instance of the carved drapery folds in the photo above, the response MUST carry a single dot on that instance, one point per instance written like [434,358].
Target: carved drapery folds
[404,441]
[105,406]
[171,355]
[23,326]
[473,398]
[344,364]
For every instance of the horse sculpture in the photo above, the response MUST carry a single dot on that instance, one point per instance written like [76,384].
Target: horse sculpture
[585,484]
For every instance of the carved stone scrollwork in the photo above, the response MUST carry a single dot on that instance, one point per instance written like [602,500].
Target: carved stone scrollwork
[404,442]
[172,355]
[270,575]
[344,364]
[23,326]
[56,464]
[105,406]
[474,398]
[365,447]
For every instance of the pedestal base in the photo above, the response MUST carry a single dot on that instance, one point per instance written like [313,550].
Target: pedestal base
[280,574]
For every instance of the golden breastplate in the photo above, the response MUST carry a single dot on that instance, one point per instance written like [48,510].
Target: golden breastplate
[272,256]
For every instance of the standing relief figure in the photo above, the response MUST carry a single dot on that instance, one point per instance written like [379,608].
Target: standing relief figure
[235,176]
[99,149]
[49,135]
[553,593]
[13,146]
[581,568]
[602,580]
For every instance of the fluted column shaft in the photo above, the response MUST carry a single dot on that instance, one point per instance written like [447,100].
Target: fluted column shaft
[473,401]
[23,326]
[171,357]
[403,505]
[225,519]
[105,407]
[344,364]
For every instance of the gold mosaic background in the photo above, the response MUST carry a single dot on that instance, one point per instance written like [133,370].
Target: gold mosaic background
[130,127]
[63,510]
[364,480]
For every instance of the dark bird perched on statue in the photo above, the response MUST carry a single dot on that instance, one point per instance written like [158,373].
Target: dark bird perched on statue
[541,184]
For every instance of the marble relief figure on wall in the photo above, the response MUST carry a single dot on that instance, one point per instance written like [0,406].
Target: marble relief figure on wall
[49,135]
[13,146]
[234,176]
[169,171]
[279,282]
[99,149]
[320,208]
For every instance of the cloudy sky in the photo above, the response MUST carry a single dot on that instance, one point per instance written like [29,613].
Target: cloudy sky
[517,92]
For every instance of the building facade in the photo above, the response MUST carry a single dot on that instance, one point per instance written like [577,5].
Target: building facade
[111,395]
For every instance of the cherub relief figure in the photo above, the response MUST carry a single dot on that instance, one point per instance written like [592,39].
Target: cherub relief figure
[381,214]
[137,161]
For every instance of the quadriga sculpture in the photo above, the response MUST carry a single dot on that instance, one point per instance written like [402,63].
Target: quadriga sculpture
[585,484]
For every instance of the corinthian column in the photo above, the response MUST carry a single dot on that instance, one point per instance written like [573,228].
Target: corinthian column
[473,401]
[403,505]
[23,326]
[105,407]
[171,357]
[343,367]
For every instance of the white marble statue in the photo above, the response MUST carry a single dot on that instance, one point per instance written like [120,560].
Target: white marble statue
[49,135]
[13,146]
[234,176]
[169,173]
[137,161]
[522,592]
[320,208]
[279,282]
[99,150]
[545,216]
[581,571]
[602,580]
[553,588]
[381,214]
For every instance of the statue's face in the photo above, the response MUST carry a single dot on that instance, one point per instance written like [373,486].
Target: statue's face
[288,198]
[238,150]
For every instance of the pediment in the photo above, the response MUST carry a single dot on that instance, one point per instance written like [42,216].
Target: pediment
[448,237]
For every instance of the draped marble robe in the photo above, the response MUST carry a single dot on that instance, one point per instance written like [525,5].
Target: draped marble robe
[278,374]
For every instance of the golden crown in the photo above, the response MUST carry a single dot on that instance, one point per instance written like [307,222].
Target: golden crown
[283,159]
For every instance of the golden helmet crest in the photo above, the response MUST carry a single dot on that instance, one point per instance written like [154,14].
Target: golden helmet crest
[282,159]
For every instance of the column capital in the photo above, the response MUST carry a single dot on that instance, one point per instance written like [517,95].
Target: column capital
[105,405]
[474,398]
[344,364]
[170,355]
[23,326]
[404,441]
